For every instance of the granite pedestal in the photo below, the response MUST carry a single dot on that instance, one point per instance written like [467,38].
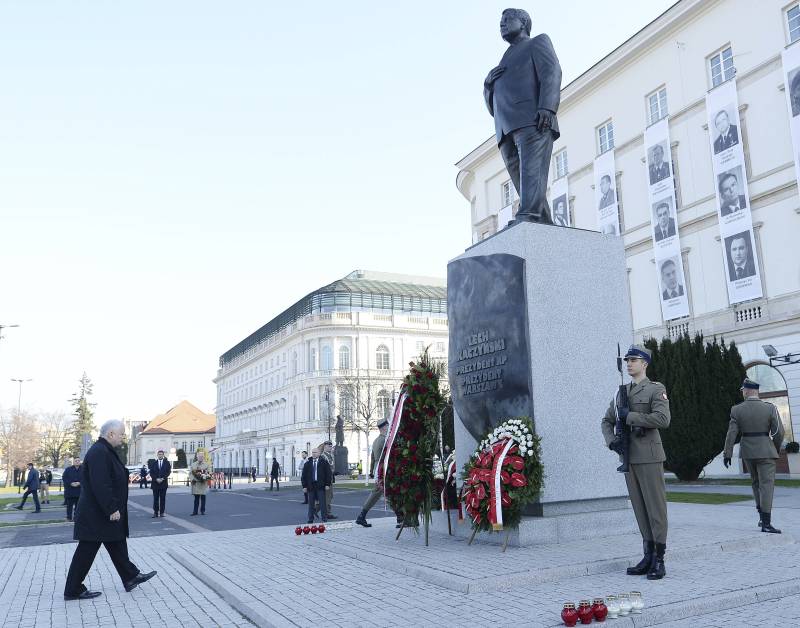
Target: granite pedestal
[576,309]
[340,463]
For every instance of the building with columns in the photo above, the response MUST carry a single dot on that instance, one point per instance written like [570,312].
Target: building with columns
[664,73]
[281,388]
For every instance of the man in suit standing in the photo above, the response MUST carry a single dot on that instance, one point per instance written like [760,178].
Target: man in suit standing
[665,227]
[377,492]
[728,133]
[730,199]
[607,197]
[102,517]
[72,486]
[742,265]
[317,476]
[31,487]
[647,412]
[762,435]
[159,472]
[659,169]
[669,279]
[522,94]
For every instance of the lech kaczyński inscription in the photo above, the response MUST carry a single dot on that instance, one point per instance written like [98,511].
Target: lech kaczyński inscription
[489,359]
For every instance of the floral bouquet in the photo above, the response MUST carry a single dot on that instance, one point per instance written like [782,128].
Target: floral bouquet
[503,475]
[202,475]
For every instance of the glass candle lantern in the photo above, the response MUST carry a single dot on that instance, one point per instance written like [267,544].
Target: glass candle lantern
[612,604]
[585,612]
[569,615]
[599,609]
[624,604]
[637,604]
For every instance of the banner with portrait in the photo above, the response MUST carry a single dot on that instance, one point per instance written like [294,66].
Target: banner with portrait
[559,202]
[733,199]
[605,194]
[664,222]
[791,74]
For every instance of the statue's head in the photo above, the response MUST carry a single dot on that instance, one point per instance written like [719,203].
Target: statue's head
[513,22]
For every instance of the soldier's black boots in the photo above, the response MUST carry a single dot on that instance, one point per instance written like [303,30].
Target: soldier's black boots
[362,520]
[657,569]
[644,565]
[766,523]
[760,518]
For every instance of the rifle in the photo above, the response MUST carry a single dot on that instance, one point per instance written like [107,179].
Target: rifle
[621,431]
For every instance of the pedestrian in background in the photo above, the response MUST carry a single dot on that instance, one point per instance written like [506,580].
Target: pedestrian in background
[159,472]
[327,453]
[72,486]
[143,476]
[31,487]
[45,479]
[102,516]
[253,472]
[274,474]
[200,474]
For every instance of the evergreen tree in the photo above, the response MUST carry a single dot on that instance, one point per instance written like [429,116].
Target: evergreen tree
[84,413]
[702,381]
[180,463]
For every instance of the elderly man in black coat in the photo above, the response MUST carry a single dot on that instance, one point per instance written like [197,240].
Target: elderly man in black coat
[102,516]
[72,486]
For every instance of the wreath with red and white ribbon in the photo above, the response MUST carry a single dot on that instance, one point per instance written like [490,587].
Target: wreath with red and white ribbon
[502,475]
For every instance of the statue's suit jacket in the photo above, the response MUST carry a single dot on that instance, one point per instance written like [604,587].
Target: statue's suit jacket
[531,81]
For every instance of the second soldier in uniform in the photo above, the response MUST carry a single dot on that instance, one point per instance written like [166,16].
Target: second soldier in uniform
[647,411]
[762,435]
[377,492]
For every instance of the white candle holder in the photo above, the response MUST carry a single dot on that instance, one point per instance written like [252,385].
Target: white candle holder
[624,604]
[612,604]
[637,603]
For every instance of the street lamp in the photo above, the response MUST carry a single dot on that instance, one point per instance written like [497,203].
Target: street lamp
[19,398]
[780,360]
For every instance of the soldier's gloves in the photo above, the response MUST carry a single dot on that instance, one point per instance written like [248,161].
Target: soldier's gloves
[622,413]
[616,445]
[726,462]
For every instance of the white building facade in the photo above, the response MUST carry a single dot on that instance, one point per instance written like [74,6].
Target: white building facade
[664,72]
[279,389]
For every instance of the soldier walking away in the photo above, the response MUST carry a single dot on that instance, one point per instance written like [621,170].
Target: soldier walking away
[648,408]
[377,492]
[31,487]
[761,429]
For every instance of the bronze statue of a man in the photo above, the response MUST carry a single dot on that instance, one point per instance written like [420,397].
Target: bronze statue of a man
[523,93]
[339,431]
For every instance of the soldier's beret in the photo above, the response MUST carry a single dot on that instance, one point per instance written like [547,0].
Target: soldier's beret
[382,422]
[750,384]
[638,351]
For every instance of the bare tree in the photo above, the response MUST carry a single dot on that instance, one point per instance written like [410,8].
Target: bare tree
[56,431]
[364,398]
[19,441]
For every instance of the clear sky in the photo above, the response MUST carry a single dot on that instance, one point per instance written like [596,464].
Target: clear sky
[174,174]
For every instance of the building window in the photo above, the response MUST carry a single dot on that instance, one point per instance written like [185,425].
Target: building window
[420,346]
[294,409]
[294,363]
[312,405]
[793,22]
[657,106]
[721,66]
[507,193]
[440,347]
[605,137]
[344,357]
[773,390]
[384,404]
[326,358]
[382,358]
[561,163]
[312,360]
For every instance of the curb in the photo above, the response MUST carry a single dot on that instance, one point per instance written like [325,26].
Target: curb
[223,587]
[517,580]
[35,525]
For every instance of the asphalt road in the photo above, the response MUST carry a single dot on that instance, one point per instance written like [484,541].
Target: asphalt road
[225,510]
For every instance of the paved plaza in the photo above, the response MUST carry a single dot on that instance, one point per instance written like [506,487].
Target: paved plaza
[721,572]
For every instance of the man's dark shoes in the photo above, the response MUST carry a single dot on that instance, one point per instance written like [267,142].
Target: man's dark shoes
[643,565]
[362,520]
[155,515]
[332,517]
[657,569]
[161,515]
[84,595]
[18,507]
[766,523]
[142,577]
[37,510]
[194,514]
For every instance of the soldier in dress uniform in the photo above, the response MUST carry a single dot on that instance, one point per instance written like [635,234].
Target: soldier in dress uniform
[762,435]
[646,413]
[377,492]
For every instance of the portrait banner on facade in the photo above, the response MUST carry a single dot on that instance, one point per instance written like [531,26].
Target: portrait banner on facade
[605,194]
[733,200]
[791,74]
[664,220]
[559,202]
